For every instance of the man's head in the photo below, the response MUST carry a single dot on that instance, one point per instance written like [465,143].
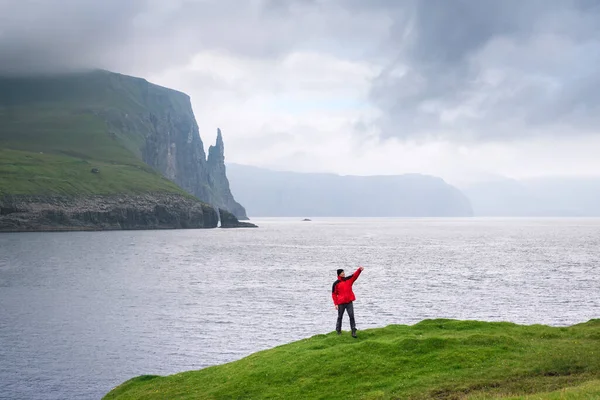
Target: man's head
[341,273]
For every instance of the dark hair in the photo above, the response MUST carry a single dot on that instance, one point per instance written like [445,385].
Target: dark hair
[339,271]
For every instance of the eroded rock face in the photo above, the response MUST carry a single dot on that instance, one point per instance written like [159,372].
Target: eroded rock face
[217,179]
[122,212]
[160,126]
[228,220]
[173,145]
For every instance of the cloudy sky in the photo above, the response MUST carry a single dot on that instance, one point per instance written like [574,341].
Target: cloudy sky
[463,89]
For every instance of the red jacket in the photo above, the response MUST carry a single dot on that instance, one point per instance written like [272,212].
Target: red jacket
[341,292]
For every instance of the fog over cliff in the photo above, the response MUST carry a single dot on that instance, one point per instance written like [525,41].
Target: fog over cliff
[461,90]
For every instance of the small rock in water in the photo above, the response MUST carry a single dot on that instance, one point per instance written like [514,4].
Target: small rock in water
[228,220]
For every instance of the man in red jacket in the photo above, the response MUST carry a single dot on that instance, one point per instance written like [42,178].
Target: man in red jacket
[343,296]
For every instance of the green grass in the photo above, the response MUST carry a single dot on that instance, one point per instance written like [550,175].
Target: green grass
[28,173]
[52,134]
[61,131]
[434,359]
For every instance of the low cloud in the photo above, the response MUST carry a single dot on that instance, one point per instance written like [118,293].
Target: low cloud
[149,36]
[349,86]
[491,71]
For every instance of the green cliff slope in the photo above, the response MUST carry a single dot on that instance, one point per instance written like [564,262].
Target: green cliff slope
[50,140]
[434,359]
[140,136]
[55,173]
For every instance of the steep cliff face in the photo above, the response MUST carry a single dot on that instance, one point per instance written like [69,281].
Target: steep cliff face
[173,145]
[172,142]
[217,179]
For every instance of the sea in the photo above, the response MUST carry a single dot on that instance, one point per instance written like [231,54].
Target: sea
[82,312]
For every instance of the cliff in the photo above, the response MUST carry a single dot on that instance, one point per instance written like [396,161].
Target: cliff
[142,138]
[171,140]
[218,182]
[269,193]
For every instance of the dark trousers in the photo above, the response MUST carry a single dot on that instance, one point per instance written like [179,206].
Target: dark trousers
[349,307]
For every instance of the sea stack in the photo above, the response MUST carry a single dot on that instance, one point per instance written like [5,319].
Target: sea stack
[218,182]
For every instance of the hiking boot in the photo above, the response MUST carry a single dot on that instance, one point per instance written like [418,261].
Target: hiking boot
[353,334]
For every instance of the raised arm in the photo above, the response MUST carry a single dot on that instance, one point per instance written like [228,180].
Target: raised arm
[355,275]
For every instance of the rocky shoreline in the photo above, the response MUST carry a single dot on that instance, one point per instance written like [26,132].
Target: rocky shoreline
[115,212]
[228,220]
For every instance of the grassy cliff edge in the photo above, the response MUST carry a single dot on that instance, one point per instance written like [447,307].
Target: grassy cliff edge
[434,359]
[75,154]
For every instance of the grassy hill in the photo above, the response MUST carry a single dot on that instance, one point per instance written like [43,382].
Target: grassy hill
[52,134]
[434,359]
[30,173]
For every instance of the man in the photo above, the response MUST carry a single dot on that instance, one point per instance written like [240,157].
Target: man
[343,296]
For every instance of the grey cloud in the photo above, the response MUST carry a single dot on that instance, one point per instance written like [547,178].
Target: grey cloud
[54,35]
[134,35]
[147,36]
[447,51]
[456,70]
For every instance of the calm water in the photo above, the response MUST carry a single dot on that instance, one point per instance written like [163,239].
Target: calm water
[83,312]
